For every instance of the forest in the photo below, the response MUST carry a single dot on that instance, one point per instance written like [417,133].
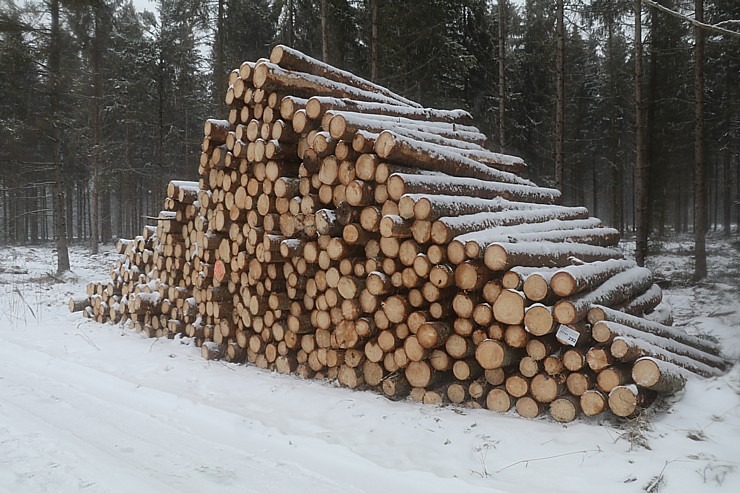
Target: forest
[103,103]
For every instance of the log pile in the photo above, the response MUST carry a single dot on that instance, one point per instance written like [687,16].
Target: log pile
[342,231]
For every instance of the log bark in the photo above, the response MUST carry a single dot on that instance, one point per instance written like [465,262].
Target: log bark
[639,347]
[576,278]
[447,228]
[601,313]
[319,105]
[617,289]
[344,125]
[400,184]
[268,75]
[418,154]
[660,376]
[503,256]
[295,60]
[475,243]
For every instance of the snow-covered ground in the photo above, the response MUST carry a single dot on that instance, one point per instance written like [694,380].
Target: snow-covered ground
[99,408]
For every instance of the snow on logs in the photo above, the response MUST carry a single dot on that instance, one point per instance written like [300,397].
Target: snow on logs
[339,230]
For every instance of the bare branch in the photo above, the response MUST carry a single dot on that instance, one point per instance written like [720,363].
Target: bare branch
[709,27]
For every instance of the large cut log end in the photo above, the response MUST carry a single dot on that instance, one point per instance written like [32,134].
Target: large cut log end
[492,354]
[661,376]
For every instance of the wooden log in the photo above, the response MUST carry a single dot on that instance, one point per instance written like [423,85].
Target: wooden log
[444,230]
[460,139]
[295,60]
[644,302]
[268,75]
[475,243]
[433,334]
[529,408]
[618,288]
[623,350]
[574,359]
[503,256]
[539,348]
[396,386]
[212,350]
[553,365]
[421,374]
[351,377]
[641,347]
[317,106]
[578,383]
[660,376]
[432,207]
[495,354]
[509,307]
[417,154]
[529,367]
[545,388]
[216,130]
[78,304]
[626,400]
[576,278]
[606,331]
[593,402]
[400,184]
[565,409]
[457,393]
[598,313]
[611,377]
[498,400]
[466,369]
[662,314]
[289,105]
[598,358]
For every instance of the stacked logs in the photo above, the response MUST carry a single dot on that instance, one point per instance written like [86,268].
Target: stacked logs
[342,231]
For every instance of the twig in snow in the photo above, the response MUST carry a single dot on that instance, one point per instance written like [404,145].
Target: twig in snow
[86,337]
[527,461]
[18,291]
[657,481]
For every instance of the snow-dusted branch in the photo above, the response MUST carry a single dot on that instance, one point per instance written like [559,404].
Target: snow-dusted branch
[709,27]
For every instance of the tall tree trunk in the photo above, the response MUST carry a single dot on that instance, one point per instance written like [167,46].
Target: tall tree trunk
[325,30]
[291,24]
[700,209]
[33,232]
[219,62]
[727,156]
[560,96]
[612,158]
[642,166]
[96,124]
[374,48]
[727,193]
[658,196]
[502,75]
[59,202]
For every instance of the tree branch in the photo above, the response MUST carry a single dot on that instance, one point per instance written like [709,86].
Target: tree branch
[701,25]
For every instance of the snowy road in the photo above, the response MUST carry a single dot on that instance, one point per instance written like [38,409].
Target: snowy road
[74,427]
[99,408]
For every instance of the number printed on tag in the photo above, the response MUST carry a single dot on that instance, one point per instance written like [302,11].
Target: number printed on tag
[566,335]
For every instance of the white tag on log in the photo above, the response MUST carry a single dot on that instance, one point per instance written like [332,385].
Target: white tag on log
[567,336]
